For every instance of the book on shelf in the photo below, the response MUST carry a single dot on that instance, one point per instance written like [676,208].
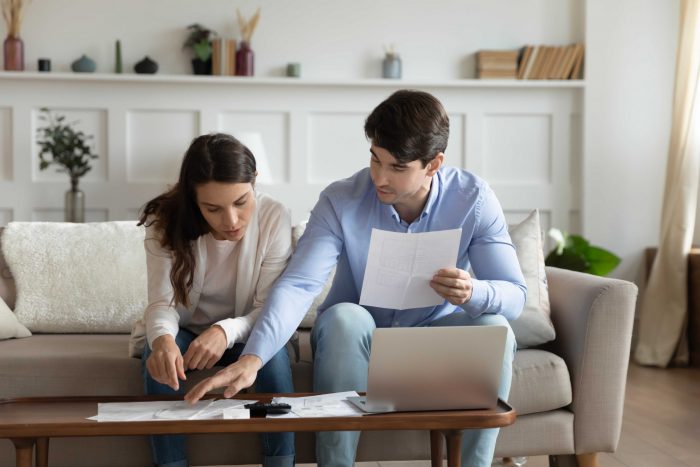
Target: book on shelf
[223,57]
[497,63]
[531,62]
[524,57]
[577,71]
[551,62]
[496,74]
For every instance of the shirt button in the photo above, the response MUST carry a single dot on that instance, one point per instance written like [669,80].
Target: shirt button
[396,323]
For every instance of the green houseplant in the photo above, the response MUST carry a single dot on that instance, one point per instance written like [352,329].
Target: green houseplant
[577,254]
[60,144]
[199,41]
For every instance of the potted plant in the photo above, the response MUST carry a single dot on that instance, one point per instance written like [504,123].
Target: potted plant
[575,253]
[62,145]
[199,40]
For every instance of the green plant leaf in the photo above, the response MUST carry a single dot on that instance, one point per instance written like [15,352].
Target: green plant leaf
[577,244]
[601,261]
[567,260]
[202,50]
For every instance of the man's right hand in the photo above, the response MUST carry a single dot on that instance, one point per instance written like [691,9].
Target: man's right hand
[165,364]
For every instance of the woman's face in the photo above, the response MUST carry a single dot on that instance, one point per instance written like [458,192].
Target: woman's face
[227,208]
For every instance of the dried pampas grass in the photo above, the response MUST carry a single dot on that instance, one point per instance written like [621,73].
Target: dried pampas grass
[247,27]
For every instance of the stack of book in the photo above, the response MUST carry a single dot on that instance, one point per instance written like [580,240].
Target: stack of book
[499,64]
[551,62]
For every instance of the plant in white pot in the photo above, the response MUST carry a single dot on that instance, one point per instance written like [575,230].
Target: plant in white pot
[62,145]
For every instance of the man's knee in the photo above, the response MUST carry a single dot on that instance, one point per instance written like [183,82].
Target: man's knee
[344,323]
[488,319]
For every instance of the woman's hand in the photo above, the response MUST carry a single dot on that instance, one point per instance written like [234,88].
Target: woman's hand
[238,375]
[165,363]
[206,349]
[452,284]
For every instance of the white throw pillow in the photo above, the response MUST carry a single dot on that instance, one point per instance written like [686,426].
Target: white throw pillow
[77,277]
[9,326]
[534,326]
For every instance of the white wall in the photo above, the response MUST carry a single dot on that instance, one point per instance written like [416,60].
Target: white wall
[627,100]
[631,48]
[332,39]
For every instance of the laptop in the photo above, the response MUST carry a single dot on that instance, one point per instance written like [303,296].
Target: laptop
[434,368]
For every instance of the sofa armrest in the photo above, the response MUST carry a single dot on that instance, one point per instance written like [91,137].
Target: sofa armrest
[593,319]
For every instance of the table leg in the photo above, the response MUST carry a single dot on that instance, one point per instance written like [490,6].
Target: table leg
[454,448]
[436,452]
[42,452]
[24,451]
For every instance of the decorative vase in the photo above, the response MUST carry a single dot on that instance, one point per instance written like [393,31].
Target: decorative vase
[245,60]
[13,49]
[74,203]
[201,67]
[146,66]
[118,68]
[84,65]
[391,66]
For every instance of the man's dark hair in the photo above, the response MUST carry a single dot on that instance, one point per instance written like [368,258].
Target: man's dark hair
[411,125]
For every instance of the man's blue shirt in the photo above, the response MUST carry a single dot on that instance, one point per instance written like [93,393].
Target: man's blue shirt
[338,233]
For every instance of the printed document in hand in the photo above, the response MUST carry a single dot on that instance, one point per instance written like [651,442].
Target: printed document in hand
[400,267]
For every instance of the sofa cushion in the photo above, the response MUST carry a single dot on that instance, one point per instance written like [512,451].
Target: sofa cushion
[77,277]
[86,365]
[541,382]
[534,326]
[9,326]
[7,282]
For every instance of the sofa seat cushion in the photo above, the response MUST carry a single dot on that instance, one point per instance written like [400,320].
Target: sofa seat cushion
[68,365]
[86,365]
[541,382]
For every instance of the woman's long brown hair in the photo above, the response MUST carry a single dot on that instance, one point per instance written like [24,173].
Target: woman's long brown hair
[215,157]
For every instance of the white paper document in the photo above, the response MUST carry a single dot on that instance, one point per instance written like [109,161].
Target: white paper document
[323,405]
[400,267]
[169,410]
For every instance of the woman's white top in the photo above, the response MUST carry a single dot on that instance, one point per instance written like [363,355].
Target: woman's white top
[230,279]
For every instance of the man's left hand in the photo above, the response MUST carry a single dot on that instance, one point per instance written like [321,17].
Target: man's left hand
[454,285]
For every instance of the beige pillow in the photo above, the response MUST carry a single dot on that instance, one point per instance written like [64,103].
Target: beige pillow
[534,326]
[9,326]
[83,278]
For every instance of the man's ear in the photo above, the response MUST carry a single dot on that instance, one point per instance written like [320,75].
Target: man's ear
[434,165]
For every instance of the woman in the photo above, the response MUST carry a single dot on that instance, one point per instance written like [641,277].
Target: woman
[214,246]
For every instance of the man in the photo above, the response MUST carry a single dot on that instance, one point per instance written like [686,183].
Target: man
[405,189]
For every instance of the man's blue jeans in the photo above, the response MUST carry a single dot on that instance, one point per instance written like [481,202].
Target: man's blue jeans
[341,340]
[275,376]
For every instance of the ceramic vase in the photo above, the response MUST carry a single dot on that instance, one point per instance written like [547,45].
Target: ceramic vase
[83,65]
[13,49]
[146,66]
[391,66]
[245,60]
[74,203]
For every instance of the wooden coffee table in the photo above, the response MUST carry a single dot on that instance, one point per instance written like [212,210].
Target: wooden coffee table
[30,422]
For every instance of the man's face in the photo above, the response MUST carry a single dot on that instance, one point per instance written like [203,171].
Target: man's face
[397,182]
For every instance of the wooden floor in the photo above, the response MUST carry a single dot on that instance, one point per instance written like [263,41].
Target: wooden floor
[660,428]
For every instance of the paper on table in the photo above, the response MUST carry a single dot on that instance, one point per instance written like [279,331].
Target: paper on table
[401,265]
[164,410]
[323,405]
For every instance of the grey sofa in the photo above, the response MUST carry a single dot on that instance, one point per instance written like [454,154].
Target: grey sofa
[569,394]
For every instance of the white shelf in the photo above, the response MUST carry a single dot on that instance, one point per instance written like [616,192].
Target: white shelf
[277,81]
